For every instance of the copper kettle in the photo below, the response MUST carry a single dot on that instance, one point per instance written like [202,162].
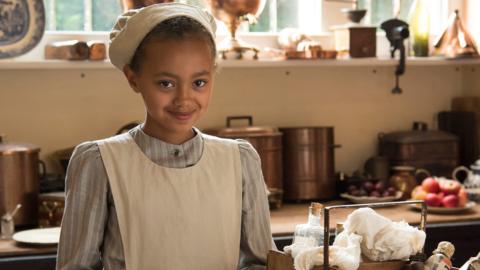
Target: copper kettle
[19,180]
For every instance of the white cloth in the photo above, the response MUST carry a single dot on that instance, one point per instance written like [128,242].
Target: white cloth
[132,26]
[344,253]
[202,204]
[383,239]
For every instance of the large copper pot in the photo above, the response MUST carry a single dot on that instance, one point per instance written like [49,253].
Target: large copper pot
[19,181]
[232,13]
[134,4]
[308,163]
[268,143]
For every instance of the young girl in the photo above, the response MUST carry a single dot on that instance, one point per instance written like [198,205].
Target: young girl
[164,195]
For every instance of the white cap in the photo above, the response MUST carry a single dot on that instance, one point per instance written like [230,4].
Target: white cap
[132,27]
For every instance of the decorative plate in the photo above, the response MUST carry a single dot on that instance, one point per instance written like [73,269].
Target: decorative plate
[367,199]
[47,236]
[444,210]
[22,23]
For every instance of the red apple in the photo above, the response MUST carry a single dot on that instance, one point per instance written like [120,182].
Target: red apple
[450,187]
[418,193]
[462,197]
[431,185]
[450,201]
[433,199]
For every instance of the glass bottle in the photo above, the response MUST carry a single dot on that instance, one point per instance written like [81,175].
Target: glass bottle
[419,20]
[440,258]
[311,233]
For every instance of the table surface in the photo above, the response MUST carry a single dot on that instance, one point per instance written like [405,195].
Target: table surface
[283,220]
[283,223]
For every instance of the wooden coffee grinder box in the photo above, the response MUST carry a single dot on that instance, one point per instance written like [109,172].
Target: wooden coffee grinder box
[355,40]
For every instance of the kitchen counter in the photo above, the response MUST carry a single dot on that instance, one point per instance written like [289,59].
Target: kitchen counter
[283,220]
[462,229]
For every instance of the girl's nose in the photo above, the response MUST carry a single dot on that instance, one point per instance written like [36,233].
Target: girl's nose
[183,94]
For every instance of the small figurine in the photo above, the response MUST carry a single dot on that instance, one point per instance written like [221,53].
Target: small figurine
[441,257]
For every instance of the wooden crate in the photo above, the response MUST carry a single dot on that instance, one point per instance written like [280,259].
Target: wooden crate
[277,260]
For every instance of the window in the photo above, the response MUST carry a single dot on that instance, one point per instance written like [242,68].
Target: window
[100,15]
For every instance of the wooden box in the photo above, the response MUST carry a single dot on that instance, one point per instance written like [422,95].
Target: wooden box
[50,209]
[277,260]
[359,41]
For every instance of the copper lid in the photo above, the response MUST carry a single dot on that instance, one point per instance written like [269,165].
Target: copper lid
[455,41]
[243,131]
[16,148]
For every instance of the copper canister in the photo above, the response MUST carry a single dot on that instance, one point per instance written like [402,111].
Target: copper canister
[308,159]
[19,181]
[268,143]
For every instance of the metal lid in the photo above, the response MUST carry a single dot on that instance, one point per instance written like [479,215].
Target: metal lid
[417,136]
[243,131]
[16,148]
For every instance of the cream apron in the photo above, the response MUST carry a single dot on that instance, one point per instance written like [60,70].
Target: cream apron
[176,218]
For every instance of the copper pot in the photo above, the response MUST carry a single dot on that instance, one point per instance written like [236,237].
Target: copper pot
[19,180]
[268,143]
[308,159]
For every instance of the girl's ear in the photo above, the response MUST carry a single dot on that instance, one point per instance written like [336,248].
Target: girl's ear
[131,78]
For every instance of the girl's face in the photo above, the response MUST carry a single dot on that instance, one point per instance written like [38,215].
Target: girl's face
[175,79]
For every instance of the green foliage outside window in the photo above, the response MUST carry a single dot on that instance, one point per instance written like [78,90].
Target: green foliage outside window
[69,15]
[105,14]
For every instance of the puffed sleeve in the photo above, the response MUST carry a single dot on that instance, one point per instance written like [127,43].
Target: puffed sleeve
[256,237]
[86,210]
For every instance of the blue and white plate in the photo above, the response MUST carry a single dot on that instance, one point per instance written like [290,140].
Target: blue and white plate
[22,23]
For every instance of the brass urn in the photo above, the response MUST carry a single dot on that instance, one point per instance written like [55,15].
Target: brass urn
[134,4]
[232,13]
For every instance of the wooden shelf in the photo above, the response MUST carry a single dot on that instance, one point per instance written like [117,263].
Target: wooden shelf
[430,61]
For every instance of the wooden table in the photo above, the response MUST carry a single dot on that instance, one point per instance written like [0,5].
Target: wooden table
[283,220]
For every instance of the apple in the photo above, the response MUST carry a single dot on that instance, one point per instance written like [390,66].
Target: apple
[462,197]
[431,185]
[432,199]
[450,187]
[450,201]
[418,193]
[375,194]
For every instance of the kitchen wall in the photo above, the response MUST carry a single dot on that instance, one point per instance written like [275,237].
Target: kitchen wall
[56,109]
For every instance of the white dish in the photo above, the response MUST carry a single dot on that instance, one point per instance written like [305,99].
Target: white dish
[368,199]
[445,210]
[47,236]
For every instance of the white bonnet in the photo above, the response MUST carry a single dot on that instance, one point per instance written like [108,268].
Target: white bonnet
[132,27]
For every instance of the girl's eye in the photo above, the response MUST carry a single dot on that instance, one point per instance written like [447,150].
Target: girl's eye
[165,84]
[199,83]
